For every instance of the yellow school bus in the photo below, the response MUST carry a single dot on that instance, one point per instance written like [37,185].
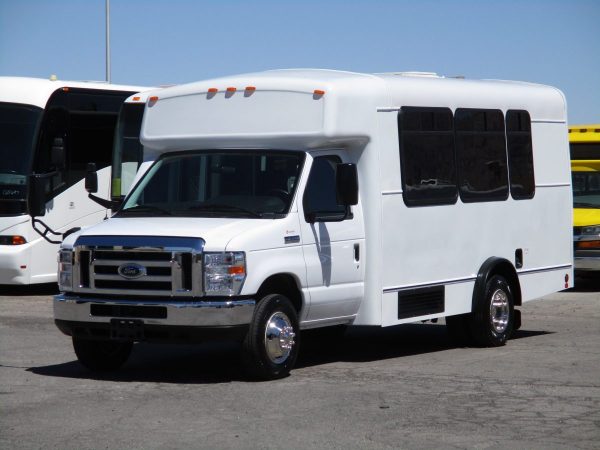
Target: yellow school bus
[585,167]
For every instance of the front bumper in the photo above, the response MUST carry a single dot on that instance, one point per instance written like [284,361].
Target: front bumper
[225,313]
[14,264]
[587,263]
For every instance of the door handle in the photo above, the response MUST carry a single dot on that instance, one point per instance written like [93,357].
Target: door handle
[356,252]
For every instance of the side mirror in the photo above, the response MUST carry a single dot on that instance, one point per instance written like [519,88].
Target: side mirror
[36,197]
[346,184]
[91,179]
[57,154]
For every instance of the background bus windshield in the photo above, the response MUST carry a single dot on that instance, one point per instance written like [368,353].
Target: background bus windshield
[585,162]
[18,125]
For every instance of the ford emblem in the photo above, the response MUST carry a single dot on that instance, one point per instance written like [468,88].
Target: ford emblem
[131,271]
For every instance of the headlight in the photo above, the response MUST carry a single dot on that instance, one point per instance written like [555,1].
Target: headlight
[65,270]
[224,273]
[593,229]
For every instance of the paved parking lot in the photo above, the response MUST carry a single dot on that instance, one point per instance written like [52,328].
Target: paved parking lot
[406,387]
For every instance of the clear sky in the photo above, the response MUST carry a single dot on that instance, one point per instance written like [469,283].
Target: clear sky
[155,42]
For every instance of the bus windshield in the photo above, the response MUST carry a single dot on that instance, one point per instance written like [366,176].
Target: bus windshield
[18,124]
[128,150]
[228,183]
[586,189]
[585,162]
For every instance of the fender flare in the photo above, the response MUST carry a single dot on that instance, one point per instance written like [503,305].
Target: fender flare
[496,266]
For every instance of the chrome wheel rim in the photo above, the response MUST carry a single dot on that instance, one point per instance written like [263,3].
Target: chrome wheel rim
[499,311]
[279,337]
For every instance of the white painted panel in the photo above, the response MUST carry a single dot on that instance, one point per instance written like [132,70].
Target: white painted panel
[263,112]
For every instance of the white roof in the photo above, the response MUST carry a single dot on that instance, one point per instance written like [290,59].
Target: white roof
[402,89]
[36,91]
[315,108]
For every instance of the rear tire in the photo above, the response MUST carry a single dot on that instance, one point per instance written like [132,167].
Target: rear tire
[271,345]
[492,321]
[101,356]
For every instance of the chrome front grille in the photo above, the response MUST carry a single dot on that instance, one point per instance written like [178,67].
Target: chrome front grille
[141,266]
[160,270]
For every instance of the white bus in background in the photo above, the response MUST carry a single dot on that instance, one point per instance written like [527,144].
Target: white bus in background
[52,128]
[297,199]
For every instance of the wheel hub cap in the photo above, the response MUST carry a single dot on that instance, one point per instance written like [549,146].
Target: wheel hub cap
[279,337]
[499,311]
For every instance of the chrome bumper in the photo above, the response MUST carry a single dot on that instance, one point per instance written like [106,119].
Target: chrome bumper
[587,263]
[195,314]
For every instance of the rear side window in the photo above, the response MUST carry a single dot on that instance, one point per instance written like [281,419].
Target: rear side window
[481,155]
[520,154]
[427,157]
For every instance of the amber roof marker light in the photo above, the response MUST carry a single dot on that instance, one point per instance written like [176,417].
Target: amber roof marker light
[152,101]
[230,91]
[318,93]
[211,92]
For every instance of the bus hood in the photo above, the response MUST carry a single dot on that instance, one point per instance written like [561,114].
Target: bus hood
[583,217]
[218,233]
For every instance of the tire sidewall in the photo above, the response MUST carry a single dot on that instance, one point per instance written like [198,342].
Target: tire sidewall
[98,355]
[481,329]
[255,341]
[495,283]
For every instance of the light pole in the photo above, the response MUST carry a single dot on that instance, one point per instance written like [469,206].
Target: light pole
[107,41]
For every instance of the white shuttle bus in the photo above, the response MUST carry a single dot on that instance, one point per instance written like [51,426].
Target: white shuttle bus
[296,199]
[51,129]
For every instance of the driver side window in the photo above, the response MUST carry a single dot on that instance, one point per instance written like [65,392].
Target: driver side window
[320,200]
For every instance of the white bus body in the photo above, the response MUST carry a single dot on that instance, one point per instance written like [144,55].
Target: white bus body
[33,113]
[463,211]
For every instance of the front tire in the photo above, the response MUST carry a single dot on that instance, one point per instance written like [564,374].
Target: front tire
[271,345]
[492,321]
[101,356]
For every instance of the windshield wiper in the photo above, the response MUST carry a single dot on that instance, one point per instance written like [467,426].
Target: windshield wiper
[147,208]
[222,207]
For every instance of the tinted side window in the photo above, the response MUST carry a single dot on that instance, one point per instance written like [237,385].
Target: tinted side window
[427,159]
[481,155]
[320,194]
[520,154]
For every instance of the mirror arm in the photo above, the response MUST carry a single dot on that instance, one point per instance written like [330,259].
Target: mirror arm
[47,230]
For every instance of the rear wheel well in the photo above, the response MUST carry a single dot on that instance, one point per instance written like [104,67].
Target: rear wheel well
[499,266]
[284,284]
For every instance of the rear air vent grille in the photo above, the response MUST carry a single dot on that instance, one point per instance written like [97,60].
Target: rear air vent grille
[420,302]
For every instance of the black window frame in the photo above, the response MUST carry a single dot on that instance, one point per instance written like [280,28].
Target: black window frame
[482,131]
[523,130]
[404,132]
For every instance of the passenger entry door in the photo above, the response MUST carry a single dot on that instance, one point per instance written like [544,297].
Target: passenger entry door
[333,246]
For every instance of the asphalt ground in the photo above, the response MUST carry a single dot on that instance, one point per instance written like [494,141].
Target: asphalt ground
[400,387]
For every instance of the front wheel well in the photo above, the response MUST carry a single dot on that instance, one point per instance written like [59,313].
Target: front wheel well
[284,284]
